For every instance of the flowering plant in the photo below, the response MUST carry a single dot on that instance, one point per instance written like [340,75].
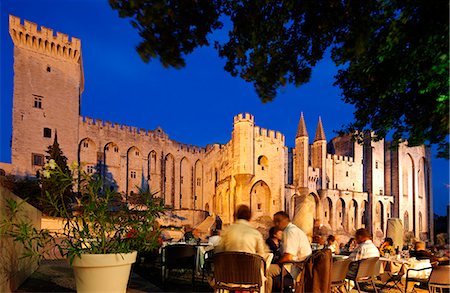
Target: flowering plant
[98,221]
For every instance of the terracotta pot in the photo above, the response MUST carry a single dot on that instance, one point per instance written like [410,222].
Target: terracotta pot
[103,272]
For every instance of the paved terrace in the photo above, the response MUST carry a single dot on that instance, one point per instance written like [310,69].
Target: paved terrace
[57,276]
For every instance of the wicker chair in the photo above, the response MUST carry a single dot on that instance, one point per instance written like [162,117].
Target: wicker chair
[339,272]
[366,271]
[179,256]
[439,278]
[238,271]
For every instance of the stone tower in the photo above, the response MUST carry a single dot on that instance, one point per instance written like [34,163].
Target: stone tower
[48,82]
[243,152]
[319,153]
[301,155]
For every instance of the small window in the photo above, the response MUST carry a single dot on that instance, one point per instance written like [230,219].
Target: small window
[325,214]
[376,165]
[116,149]
[381,191]
[336,186]
[37,102]
[199,181]
[346,174]
[137,153]
[259,207]
[38,160]
[47,132]
[133,174]
[90,169]
[85,144]
[181,179]
[49,69]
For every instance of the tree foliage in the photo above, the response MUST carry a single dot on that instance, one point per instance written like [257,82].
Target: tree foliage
[392,54]
[50,187]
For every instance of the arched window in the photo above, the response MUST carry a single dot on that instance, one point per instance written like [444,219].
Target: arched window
[263,162]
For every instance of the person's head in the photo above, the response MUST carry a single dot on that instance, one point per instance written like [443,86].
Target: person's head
[275,232]
[243,213]
[350,241]
[331,239]
[317,239]
[281,220]
[419,245]
[389,241]
[362,235]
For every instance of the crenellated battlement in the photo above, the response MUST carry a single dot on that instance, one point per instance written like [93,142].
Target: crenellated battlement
[339,159]
[268,133]
[44,40]
[124,129]
[244,117]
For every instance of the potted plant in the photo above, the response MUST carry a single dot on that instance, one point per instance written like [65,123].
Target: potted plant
[101,233]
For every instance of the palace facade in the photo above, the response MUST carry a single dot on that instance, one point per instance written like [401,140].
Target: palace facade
[338,184]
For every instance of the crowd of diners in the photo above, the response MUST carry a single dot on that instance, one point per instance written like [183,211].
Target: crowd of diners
[287,242]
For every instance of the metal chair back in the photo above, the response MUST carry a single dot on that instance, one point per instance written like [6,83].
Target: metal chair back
[368,268]
[339,270]
[439,278]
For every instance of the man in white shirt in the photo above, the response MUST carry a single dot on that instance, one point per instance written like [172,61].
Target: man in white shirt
[242,236]
[296,247]
[365,248]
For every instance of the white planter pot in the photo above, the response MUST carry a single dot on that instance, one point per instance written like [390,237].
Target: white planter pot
[103,272]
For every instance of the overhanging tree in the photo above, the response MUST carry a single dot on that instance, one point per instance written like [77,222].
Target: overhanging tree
[393,55]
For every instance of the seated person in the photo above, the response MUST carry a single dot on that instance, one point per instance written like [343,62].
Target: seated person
[214,239]
[349,246]
[420,252]
[387,246]
[317,242]
[365,249]
[274,243]
[332,244]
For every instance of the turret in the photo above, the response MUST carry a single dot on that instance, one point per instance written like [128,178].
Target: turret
[319,153]
[243,149]
[301,155]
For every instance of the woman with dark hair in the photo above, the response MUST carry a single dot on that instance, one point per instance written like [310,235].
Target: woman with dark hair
[332,244]
[387,247]
[274,243]
[351,244]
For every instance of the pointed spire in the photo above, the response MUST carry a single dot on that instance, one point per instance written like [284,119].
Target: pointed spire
[320,134]
[301,130]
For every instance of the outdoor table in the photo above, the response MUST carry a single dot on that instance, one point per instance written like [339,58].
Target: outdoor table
[399,266]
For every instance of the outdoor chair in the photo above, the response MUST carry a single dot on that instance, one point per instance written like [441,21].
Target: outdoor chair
[339,271]
[439,279]
[419,278]
[238,271]
[388,277]
[208,265]
[365,271]
[179,256]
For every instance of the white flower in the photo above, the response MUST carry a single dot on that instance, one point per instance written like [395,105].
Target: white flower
[52,164]
[46,174]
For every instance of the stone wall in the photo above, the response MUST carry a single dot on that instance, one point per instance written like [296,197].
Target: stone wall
[14,271]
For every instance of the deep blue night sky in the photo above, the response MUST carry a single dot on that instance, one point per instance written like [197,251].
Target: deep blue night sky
[194,105]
